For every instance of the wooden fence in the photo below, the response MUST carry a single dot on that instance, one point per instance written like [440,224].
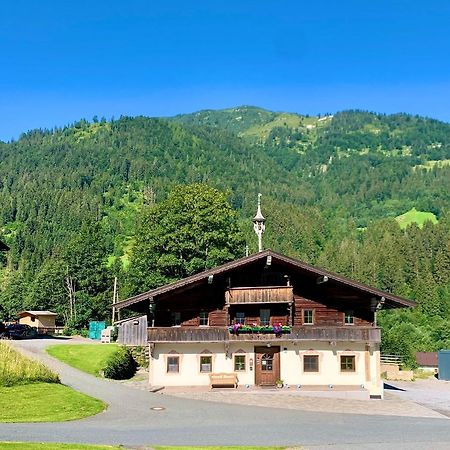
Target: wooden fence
[132,331]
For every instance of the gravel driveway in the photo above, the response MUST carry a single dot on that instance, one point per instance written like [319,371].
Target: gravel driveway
[431,393]
[129,420]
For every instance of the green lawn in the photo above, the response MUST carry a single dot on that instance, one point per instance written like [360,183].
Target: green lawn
[90,358]
[49,446]
[414,216]
[45,402]
[159,447]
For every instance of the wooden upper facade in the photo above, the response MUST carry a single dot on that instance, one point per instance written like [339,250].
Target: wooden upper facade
[262,290]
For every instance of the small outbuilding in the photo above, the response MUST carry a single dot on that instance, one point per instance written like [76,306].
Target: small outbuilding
[42,320]
[444,365]
[427,361]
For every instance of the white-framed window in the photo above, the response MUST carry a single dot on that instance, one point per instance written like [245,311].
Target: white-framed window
[206,363]
[310,363]
[176,318]
[173,364]
[204,319]
[240,317]
[348,363]
[348,318]
[264,316]
[308,317]
[239,363]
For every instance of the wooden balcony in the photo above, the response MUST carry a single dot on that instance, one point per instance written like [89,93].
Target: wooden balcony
[259,295]
[305,333]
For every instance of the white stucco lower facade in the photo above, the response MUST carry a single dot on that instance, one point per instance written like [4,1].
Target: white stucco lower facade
[180,364]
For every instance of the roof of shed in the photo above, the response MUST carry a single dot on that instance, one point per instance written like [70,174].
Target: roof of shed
[427,359]
[37,313]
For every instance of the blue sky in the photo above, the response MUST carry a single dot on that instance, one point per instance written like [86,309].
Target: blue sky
[64,60]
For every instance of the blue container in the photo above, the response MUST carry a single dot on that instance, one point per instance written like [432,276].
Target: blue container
[95,329]
[444,364]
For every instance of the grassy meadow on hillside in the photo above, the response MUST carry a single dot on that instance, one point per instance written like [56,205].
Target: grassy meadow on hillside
[417,217]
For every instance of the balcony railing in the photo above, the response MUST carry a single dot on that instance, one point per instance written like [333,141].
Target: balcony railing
[305,333]
[259,295]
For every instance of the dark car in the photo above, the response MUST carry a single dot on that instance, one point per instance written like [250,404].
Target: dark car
[3,332]
[19,331]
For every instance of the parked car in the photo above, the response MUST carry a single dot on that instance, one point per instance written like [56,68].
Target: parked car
[20,331]
[3,332]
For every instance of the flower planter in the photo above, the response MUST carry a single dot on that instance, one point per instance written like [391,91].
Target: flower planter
[278,330]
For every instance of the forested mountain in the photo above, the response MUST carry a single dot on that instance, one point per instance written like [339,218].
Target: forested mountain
[70,199]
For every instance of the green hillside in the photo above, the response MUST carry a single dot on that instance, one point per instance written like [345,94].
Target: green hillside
[71,198]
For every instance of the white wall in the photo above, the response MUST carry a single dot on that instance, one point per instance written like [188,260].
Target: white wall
[291,364]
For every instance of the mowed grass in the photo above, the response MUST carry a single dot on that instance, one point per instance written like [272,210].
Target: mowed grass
[159,447]
[17,369]
[414,216]
[45,402]
[90,358]
[50,446]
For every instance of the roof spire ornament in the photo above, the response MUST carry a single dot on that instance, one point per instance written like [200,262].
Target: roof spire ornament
[259,224]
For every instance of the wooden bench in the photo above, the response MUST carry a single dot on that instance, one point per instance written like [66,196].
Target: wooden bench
[223,379]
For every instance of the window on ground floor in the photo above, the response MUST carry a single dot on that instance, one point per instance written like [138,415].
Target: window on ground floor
[173,364]
[347,363]
[310,363]
[205,364]
[239,363]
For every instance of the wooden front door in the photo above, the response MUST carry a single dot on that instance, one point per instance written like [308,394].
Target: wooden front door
[267,369]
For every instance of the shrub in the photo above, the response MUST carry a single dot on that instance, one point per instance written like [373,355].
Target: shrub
[121,365]
[17,369]
[139,355]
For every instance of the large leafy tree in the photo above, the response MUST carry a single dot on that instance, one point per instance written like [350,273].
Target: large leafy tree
[194,229]
[87,275]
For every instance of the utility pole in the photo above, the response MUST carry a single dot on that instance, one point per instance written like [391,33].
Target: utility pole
[114,301]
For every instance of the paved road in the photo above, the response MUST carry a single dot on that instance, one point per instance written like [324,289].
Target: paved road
[130,421]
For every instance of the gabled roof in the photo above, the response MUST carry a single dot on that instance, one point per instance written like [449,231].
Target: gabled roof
[391,301]
[37,313]
[427,359]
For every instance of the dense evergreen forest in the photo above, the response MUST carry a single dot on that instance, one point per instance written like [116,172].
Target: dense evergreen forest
[76,201]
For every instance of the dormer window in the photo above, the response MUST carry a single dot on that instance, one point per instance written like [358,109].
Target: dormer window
[308,317]
[348,318]
[204,319]
[176,319]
